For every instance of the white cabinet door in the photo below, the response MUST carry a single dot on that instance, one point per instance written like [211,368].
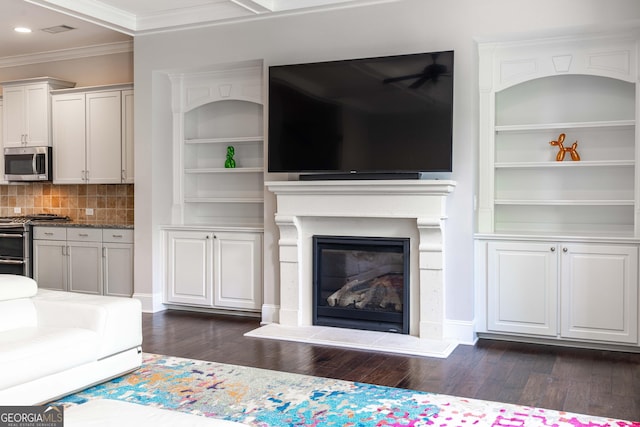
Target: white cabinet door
[128,173]
[600,292]
[238,270]
[27,122]
[117,253]
[37,115]
[522,288]
[189,268]
[2,180]
[104,137]
[85,267]
[118,269]
[14,118]
[69,135]
[50,264]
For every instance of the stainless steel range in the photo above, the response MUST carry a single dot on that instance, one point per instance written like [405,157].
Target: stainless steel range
[15,242]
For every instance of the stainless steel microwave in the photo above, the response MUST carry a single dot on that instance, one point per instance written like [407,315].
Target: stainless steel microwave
[27,163]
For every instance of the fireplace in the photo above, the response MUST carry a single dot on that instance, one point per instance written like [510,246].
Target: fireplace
[391,209]
[361,283]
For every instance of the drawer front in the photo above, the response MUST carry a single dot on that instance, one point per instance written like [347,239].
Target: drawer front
[117,235]
[84,234]
[49,233]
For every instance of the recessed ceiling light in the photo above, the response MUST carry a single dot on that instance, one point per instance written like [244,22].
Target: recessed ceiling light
[22,30]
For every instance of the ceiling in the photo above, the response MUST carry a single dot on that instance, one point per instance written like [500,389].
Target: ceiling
[104,22]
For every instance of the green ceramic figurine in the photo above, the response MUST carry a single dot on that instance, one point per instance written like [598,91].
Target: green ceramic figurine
[230,163]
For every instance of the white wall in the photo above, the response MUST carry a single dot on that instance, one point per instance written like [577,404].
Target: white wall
[88,71]
[396,27]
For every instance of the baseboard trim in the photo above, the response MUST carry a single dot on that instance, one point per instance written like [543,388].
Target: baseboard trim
[461,331]
[270,314]
[151,303]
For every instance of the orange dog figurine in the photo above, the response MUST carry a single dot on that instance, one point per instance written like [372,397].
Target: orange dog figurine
[563,150]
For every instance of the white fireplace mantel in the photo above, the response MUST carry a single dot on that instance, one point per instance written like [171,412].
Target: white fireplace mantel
[385,208]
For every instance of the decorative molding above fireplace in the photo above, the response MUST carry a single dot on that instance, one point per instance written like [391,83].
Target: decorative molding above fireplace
[393,208]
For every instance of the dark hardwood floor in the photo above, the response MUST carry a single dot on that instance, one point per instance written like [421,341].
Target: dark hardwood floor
[592,382]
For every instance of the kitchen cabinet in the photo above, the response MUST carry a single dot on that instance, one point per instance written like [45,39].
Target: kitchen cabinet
[83,259]
[128,171]
[2,180]
[27,111]
[213,268]
[117,252]
[50,257]
[92,135]
[567,290]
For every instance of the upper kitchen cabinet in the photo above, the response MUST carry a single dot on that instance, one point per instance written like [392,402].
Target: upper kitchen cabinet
[2,180]
[127,137]
[93,135]
[27,111]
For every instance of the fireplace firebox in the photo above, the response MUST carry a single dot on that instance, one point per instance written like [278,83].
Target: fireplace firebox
[361,283]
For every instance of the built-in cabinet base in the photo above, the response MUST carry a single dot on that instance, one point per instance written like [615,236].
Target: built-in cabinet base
[561,290]
[211,268]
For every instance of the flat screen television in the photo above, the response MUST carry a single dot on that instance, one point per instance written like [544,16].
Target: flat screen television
[370,116]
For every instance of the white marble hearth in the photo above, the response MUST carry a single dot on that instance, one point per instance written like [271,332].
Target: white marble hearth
[414,209]
[356,339]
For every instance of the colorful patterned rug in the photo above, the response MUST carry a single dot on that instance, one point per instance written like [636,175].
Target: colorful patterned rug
[267,398]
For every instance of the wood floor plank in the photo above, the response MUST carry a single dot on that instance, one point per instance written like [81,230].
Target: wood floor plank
[595,382]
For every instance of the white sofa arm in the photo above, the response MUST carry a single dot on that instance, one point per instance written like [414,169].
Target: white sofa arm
[117,320]
[66,314]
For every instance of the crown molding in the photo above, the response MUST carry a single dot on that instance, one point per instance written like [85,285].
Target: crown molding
[203,15]
[67,54]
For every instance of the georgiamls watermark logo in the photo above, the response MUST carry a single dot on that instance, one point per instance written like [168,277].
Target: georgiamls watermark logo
[32,416]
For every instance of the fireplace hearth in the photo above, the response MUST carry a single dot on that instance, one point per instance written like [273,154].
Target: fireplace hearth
[361,283]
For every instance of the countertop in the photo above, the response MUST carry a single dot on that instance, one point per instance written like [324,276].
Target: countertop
[73,224]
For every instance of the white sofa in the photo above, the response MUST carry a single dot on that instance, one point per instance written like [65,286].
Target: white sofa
[53,343]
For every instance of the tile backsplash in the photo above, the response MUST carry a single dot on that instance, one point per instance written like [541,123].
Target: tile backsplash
[111,203]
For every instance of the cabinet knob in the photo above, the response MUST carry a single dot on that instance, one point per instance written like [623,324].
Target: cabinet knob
[565,249]
[553,248]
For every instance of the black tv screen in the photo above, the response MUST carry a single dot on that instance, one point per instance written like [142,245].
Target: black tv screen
[371,115]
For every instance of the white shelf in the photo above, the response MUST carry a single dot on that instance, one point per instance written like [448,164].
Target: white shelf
[223,170]
[564,202]
[568,125]
[223,200]
[565,164]
[229,140]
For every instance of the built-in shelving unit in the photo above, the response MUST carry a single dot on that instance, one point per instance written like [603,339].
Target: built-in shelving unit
[213,246]
[557,239]
[216,110]
[212,192]
[532,192]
